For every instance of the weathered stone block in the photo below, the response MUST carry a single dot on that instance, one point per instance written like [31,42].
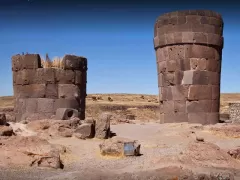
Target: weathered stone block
[215,106]
[74,62]
[65,76]
[169,38]
[45,105]
[166,93]
[213,118]
[196,77]
[24,77]
[198,64]
[162,118]
[87,130]
[169,79]
[176,52]
[31,105]
[45,75]
[178,76]
[161,108]
[182,19]
[161,67]
[79,78]
[165,53]
[3,119]
[201,51]
[213,65]
[160,55]
[168,106]
[187,37]
[66,103]
[214,78]
[6,131]
[180,106]
[199,92]
[102,129]
[28,61]
[178,36]
[160,80]
[199,117]
[51,91]
[20,105]
[192,19]
[179,92]
[29,91]
[199,37]
[175,117]
[214,39]
[66,113]
[199,106]
[215,92]
[172,66]
[68,91]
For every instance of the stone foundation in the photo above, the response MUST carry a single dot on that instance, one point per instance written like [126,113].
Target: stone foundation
[39,92]
[188,48]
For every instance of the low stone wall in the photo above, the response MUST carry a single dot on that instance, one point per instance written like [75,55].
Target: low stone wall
[234,111]
[39,92]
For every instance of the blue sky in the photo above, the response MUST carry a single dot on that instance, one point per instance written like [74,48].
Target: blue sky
[117,42]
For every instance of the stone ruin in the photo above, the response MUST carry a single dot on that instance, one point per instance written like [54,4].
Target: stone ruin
[234,111]
[39,91]
[188,47]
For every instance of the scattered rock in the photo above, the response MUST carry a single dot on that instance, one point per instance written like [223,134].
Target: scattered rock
[235,153]
[110,99]
[6,131]
[221,176]
[142,97]
[99,98]
[66,113]
[51,160]
[201,139]
[64,128]
[3,119]
[130,116]
[24,122]
[94,98]
[120,147]
[229,130]
[86,130]
[205,153]
[102,129]
[33,151]
[79,136]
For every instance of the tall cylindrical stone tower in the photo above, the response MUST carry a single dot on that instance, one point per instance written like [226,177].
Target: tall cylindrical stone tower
[188,48]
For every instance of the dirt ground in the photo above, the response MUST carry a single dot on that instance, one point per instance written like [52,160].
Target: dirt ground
[168,151]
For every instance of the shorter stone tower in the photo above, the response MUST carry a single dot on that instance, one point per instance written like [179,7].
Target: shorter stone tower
[39,91]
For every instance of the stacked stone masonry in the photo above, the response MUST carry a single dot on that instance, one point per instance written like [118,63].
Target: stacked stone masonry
[39,92]
[188,47]
[234,112]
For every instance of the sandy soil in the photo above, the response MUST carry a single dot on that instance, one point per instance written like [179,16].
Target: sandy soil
[162,146]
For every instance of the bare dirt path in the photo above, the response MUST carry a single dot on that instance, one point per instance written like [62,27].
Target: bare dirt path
[162,145]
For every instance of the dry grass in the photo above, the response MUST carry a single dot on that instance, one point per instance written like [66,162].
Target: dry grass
[144,107]
[55,63]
